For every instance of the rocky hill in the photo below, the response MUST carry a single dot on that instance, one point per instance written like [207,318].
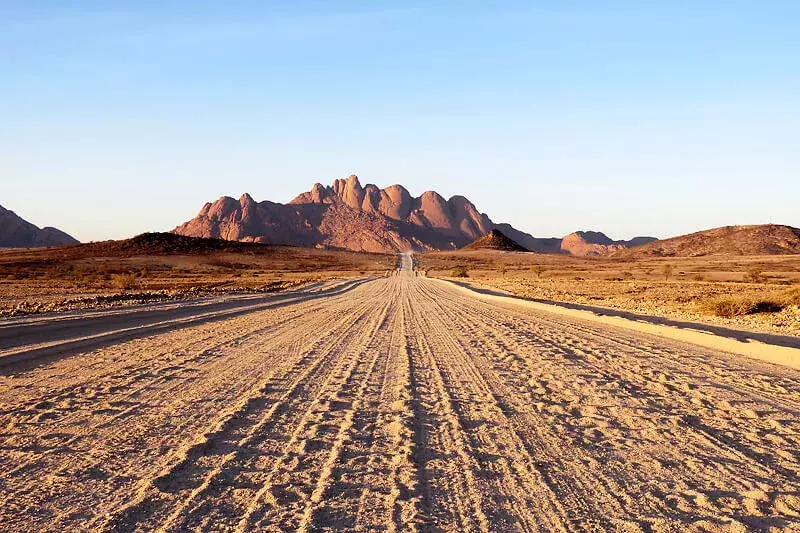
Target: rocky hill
[347,215]
[15,232]
[162,243]
[765,239]
[495,240]
[587,243]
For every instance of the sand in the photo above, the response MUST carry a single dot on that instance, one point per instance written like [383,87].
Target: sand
[399,404]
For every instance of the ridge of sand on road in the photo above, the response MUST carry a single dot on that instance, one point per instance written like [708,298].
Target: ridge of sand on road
[772,353]
[402,404]
[57,335]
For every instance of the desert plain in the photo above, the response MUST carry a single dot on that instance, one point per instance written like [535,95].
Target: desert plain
[368,395]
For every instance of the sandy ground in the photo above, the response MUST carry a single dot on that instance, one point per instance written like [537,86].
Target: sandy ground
[397,404]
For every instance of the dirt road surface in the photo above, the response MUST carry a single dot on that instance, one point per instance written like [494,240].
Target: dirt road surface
[394,404]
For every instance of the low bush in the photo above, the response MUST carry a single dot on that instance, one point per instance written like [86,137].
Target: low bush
[791,297]
[733,307]
[124,281]
[538,270]
[755,275]
[459,272]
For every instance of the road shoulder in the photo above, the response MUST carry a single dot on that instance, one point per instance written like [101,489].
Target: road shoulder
[776,349]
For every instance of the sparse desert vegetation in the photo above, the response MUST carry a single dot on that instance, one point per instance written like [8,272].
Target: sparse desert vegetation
[759,293]
[156,267]
[459,272]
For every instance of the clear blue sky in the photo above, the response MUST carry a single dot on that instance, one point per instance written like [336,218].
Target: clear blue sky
[637,117]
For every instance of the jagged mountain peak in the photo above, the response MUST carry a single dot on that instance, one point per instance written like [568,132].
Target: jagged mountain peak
[345,214]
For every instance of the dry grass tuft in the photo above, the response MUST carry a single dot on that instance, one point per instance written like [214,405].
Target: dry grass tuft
[733,307]
[125,281]
[459,272]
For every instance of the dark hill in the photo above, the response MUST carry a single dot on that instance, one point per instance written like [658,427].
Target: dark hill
[495,240]
[159,244]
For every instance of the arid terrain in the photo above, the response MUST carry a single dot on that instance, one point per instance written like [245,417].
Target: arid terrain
[733,291]
[394,403]
[156,267]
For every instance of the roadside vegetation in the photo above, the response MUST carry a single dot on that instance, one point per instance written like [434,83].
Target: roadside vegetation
[154,267]
[752,292]
[741,306]
[459,272]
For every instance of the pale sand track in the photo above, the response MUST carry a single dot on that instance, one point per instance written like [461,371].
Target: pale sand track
[399,404]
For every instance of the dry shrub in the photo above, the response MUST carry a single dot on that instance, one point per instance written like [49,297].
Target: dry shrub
[733,307]
[459,272]
[755,275]
[791,297]
[124,281]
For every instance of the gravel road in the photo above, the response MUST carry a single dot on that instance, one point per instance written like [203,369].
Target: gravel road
[392,404]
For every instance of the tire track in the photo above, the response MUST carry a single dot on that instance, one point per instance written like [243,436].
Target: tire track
[400,405]
[306,467]
[705,478]
[176,489]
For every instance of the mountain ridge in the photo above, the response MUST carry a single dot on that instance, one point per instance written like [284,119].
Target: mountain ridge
[16,232]
[590,243]
[758,239]
[347,215]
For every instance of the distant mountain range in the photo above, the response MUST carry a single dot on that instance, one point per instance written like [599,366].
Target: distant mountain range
[15,232]
[586,243]
[347,215]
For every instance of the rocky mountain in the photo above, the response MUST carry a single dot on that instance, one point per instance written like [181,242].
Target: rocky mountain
[586,243]
[765,239]
[15,232]
[347,215]
[495,240]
